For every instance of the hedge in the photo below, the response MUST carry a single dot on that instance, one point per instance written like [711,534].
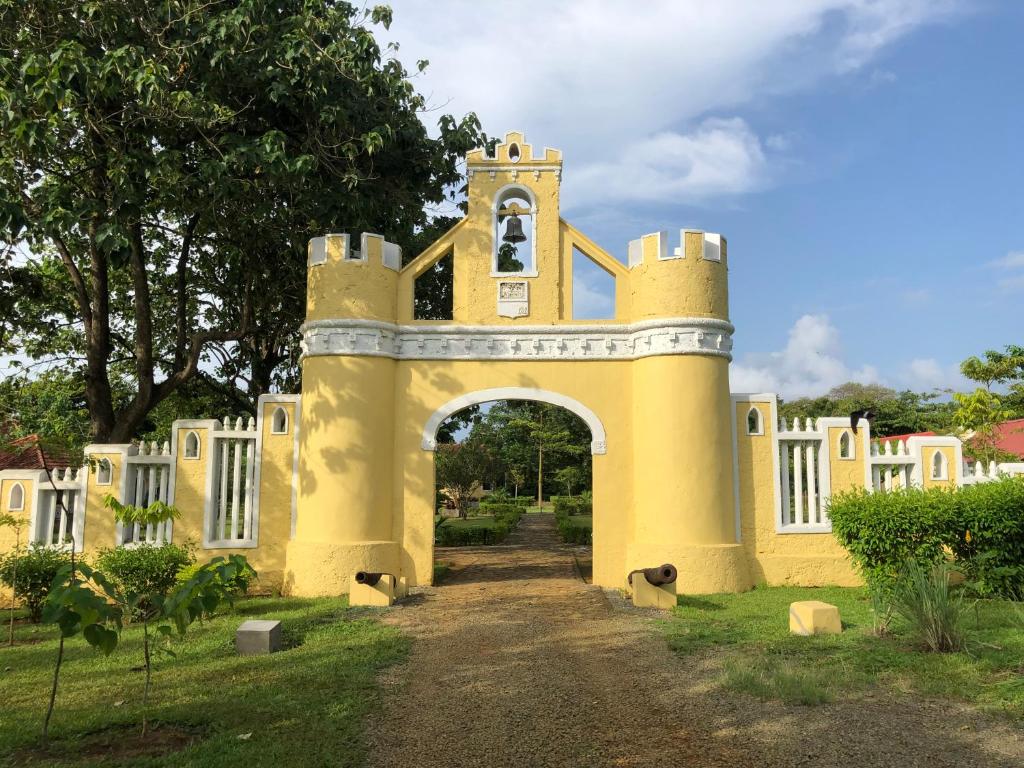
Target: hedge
[30,572]
[471,535]
[572,505]
[145,568]
[981,527]
[576,529]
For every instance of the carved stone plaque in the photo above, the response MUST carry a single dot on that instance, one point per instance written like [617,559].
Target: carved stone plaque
[513,298]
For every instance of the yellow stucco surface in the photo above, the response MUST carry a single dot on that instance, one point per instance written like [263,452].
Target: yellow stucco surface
[8,535]
[780,558]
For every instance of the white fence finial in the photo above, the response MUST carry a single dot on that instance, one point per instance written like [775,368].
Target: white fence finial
[251,425]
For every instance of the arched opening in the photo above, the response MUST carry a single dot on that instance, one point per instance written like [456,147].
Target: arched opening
[755,422]
[191,446]
[104,472]
[515,230]
[514,466]
[16,499]
[939,466]
[845,445]
[279,422]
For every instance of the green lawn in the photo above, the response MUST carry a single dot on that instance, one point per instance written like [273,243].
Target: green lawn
[750,632]
[303,706]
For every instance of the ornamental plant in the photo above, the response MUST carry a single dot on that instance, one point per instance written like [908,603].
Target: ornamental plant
[29,573]
[10,521]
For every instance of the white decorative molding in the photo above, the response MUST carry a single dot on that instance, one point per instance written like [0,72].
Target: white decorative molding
[598,438]
[669,336]
[513,298]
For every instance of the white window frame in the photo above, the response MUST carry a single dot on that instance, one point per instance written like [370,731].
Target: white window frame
[10,498]
[759,429]
[273,421]
[507,192]
[199,447]
[943,465]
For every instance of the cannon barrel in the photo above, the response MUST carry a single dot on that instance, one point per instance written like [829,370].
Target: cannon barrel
[368,578]
[663,574]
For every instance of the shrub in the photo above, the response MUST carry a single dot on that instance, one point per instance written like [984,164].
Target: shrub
[523,501]
[236,586]
[576,529]
[989,541]
[146,568]
[472,535]
[885,531]
[933,609]
[981,526]
[36,568]
[572,505]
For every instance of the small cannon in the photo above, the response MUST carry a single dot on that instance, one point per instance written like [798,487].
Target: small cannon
[369,578]
[657,577]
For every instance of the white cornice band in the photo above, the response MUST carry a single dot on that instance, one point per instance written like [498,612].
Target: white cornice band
[668,336]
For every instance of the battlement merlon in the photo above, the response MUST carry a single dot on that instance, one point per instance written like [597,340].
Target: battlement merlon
[373,249]
[513,152]
[692,244]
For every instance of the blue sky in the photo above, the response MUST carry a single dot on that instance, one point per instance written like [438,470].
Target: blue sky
[863,158]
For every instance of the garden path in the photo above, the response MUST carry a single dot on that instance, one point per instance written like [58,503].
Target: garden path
[517,662]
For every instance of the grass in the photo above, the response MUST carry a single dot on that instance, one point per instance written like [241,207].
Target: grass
[303,706]
[750,633]
[441,569]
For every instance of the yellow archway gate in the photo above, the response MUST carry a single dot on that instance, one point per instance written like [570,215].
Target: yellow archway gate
[652,384]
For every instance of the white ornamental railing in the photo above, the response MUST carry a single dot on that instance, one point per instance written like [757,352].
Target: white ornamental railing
[804,477]
[893,469]
[231,523]
[149,474]
[58,520]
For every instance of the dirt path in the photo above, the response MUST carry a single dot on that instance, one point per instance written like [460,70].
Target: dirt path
[517,662]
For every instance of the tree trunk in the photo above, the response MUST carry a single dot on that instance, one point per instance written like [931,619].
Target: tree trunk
[540,475]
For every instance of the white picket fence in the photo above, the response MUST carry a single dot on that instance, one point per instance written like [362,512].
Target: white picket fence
[892,469]
[232,521]
[61,507]
[149,477]
[803,465]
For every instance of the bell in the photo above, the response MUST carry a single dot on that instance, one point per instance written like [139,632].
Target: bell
[514,230]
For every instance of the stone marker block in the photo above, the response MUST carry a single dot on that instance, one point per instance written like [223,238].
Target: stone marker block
[258,636]
[380,595]
[813,617]
[646,595]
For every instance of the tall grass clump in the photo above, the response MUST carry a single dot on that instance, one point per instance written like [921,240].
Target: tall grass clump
[934,610]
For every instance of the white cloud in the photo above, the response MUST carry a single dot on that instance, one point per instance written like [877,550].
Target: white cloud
[1013,264]
[720,157]
[614,83]
[926,374]
[809,366]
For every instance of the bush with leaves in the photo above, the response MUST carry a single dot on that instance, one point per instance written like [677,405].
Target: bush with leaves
[884,531]
[576,529]
[989,542]
[144,568]
[238,586]
[30,573]
[572,505]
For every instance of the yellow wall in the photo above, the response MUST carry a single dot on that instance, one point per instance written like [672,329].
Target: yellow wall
[927,456]
[846,474]
[100,530]
[780,558]
[9,537]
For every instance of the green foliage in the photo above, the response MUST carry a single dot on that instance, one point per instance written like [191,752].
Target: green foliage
[576,529]
[84,601]
[30,573]
[989,545]
[458,470]
[981,526]
[573,505]
[51,404]
[895,412]
[934,611]
[474,531]
[141,147]
[786,681]
[128,514]
[980,412]
[884,531]
[238,586]
[145,569]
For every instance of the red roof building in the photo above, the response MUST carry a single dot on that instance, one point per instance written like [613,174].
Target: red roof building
[29,453]
[1009,437]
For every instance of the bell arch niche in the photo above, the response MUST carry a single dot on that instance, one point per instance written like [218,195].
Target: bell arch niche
[514,218]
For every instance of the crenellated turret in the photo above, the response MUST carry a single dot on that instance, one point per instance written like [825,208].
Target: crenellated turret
[344,282]
[681,277]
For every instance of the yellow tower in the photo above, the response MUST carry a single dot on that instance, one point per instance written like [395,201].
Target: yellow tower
[346,442]
[682,431]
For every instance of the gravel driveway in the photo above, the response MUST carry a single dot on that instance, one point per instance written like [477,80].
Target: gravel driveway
[517,662]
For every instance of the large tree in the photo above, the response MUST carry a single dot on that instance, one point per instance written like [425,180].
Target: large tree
[162,166]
